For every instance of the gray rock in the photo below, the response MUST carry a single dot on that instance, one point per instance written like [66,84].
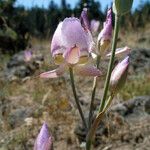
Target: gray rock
[120,108]
[140,60]
[128,112]
[147,107]
[17,67]
[136,107]
[16,118]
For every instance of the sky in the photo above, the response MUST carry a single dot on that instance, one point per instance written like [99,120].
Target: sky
[44,3]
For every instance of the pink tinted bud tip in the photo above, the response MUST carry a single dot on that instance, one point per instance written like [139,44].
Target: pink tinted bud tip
[44,139]
[119,75]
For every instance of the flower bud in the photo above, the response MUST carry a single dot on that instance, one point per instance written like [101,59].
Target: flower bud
[84,19]
[105,35]
[121,7]
[44,139]
[119,75]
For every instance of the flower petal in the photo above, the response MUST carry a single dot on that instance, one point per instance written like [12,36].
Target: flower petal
[91,43]
[121,52]
[73,34]
[56,44]
[58,56]
[87,70]
[84,57]
[53,73]
[48,144]
[72,55]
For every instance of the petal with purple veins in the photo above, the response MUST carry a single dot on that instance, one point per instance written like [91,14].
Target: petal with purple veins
[73,34]
[56,44]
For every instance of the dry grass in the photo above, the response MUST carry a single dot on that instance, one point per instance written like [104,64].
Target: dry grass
[136,86]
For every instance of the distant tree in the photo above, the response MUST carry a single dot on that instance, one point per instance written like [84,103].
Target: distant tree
[65,9]
[94,9]
[13,27]
[17,24]
[54,16]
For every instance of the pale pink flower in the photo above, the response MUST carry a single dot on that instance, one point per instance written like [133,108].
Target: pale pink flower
[71,45]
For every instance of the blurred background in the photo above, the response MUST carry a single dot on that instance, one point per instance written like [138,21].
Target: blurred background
[27,26]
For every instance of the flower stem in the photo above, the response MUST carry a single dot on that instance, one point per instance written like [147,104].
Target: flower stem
[93,95]
[76,97]
[111,62]
[91,133]
[103,106]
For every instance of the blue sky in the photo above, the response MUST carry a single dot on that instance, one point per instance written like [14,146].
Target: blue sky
[40,3]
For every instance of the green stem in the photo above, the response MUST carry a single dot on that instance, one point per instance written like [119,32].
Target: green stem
[103,106]
[111,62]
[93,94]
[92,131]
[76,97]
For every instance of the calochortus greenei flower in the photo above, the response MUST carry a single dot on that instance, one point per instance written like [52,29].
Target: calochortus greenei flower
[44,139]
[104,37]
[119,75]
[71,45]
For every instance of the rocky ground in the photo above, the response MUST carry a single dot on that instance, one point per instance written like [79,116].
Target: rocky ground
[27,101]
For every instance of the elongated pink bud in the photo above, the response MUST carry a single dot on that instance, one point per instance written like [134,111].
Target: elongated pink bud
[119,75]
[44,139]
[105,35]
[84,19]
